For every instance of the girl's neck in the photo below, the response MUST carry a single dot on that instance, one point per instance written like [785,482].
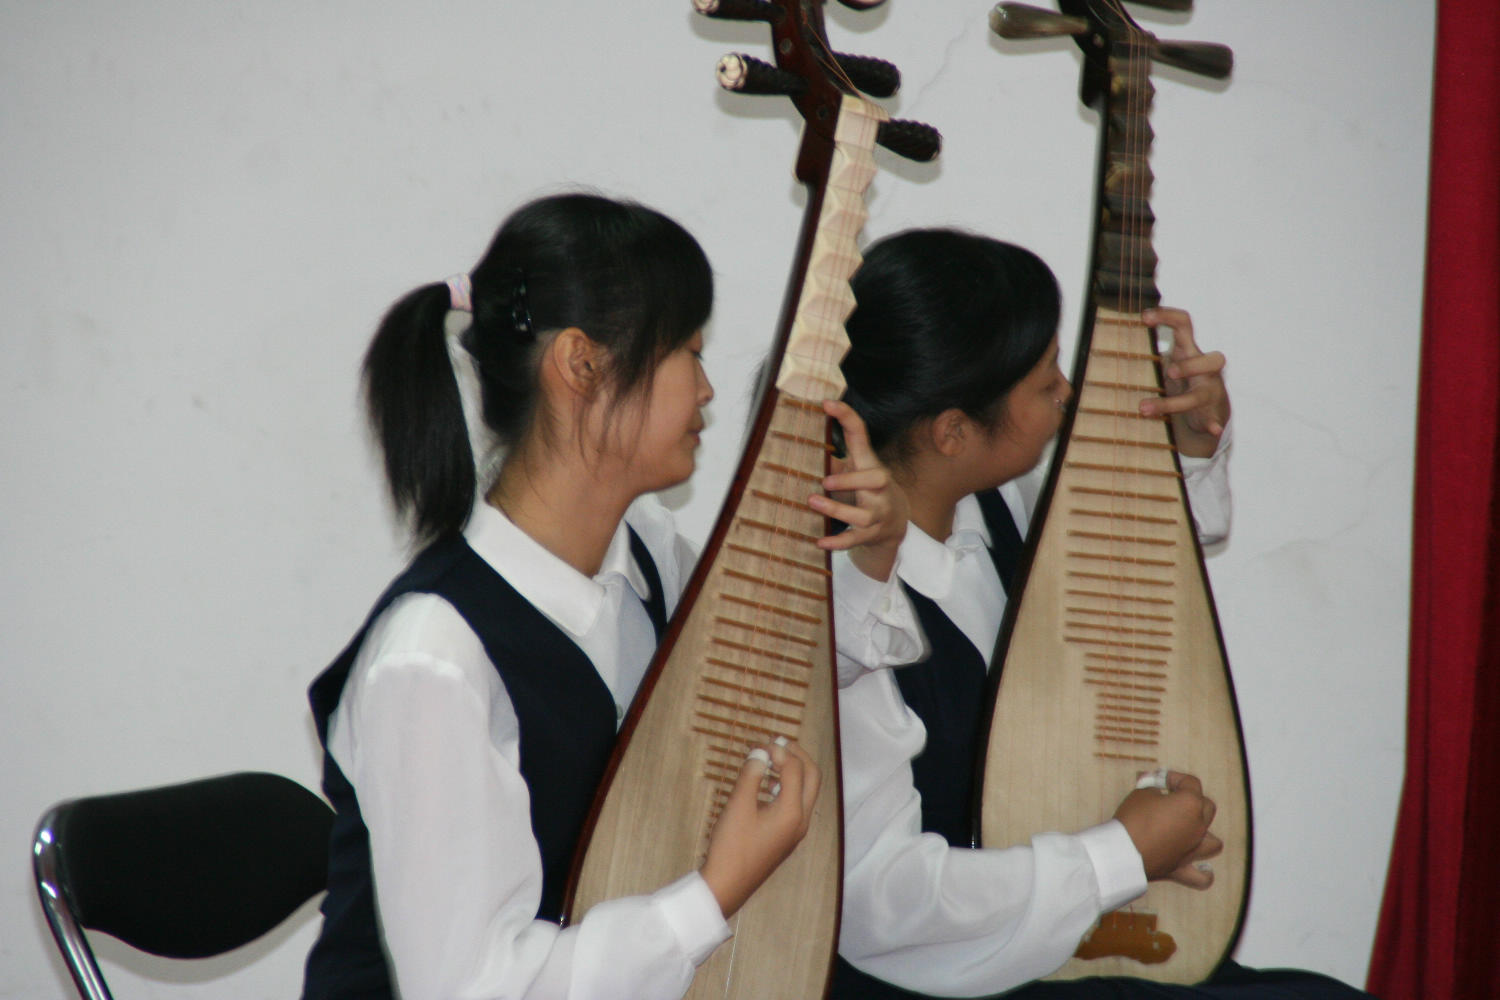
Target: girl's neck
[562,505]
[934,518]
[931,495]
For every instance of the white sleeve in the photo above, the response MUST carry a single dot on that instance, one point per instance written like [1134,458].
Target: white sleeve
[874,624]
[953,921]
[428,738]
[1207,483]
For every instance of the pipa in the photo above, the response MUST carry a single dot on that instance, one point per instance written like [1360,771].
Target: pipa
[748,655]
[1113,662]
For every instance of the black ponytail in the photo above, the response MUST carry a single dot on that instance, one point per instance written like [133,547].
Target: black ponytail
[944,319]
[414,408]
[629,277]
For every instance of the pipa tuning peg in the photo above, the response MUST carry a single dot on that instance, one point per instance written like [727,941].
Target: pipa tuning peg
[1204,58]
[749,75]
[737,10]
[1019,20]
[912,140]
[875,77]
[1166,4]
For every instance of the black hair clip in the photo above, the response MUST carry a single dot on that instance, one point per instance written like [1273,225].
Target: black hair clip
[840,449]
[520,312]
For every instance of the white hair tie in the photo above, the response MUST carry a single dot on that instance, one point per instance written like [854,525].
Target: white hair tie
[483,444]
[461,293]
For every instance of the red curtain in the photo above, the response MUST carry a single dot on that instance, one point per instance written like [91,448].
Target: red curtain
[1439,933]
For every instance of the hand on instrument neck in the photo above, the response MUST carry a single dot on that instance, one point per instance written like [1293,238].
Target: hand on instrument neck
[864,496]
[1196,399]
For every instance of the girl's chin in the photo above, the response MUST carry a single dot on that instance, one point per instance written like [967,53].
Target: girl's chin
[677,478]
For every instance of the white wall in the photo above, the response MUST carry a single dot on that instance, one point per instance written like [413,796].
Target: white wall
[205,208]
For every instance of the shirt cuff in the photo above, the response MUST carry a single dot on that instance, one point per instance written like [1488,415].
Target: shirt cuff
[690,910]
[1117,864]
[1207,484]
[1193,467]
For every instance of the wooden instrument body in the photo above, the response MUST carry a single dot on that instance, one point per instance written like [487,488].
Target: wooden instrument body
[1113,665]
[1110,660]
[749,655]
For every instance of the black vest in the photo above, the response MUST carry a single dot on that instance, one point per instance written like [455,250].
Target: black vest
[567,731]
[947,692]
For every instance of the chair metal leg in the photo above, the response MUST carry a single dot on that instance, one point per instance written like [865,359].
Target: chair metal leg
[70,937]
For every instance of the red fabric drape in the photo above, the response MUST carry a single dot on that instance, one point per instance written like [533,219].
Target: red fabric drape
[1439,932]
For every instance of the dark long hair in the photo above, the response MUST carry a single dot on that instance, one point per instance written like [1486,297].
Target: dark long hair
[633,280]
[943,319]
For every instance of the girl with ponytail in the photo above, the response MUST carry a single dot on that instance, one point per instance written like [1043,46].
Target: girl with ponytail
[525,412]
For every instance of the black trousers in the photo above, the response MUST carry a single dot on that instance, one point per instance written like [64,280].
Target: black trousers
[1231,982]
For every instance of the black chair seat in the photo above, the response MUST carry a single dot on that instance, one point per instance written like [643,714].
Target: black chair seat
[184,871]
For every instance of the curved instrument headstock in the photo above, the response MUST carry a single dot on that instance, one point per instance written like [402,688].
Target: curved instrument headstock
[813,75]
[1116,78]
[1106,31]
[834,161]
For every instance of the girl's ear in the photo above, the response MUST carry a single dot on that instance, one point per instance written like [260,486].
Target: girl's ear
[576,361]
[949,431]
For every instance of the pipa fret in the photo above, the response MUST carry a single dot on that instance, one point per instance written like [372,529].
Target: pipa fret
[1123,516]
[764,695]
[1125,539]
[780,560]
[1122,469]
[769,654]
[1114,557]
[1112,613]
[775,633]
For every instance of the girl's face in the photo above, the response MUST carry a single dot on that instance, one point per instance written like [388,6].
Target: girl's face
[1030,418]
[659,428]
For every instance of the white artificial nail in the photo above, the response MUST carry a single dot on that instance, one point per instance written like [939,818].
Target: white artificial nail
[759,754]
[780,741]
[1153,779]
[775,789]
[1205,867]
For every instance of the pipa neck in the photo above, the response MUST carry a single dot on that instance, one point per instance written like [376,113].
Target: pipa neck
[1124,259]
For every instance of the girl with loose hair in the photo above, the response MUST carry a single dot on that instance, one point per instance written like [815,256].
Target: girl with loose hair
[954,368]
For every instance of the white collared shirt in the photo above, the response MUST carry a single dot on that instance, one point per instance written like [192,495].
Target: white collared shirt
[954,921]
[615,633]
[429,739]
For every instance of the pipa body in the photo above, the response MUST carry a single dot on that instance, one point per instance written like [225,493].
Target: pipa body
[749,654]
[1110,660]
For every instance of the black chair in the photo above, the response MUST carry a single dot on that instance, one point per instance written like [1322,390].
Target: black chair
[185,871]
